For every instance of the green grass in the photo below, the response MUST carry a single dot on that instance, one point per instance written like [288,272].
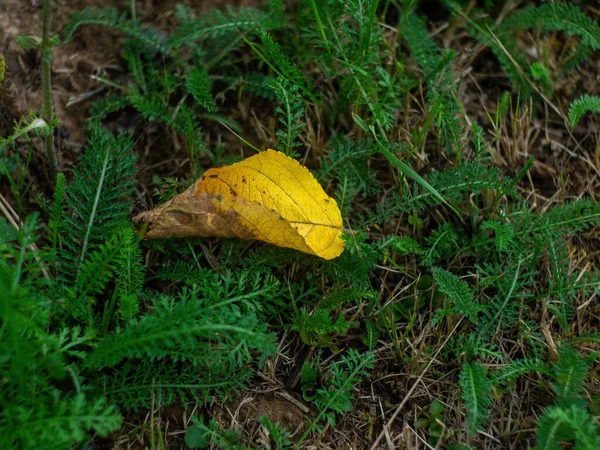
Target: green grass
[462,313]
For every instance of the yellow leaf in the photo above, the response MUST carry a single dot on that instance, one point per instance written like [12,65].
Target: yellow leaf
[268,197]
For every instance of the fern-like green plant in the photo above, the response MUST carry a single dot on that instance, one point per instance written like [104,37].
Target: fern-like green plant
[209,36]
[98,198]
[317,327]
[44,400]
[175,328]
[55,223]
[476,390]
[200,435]
[97,201]
[199,85]
[561,16]
[113,19]
[139,383]
[561,424]
[585,103]
[518,367]
[569,373]
[458,291]
[222,26]
[70,421]
[540,73]
[281,64]
[451,184]
[348,164]
[337,397]
[568,420]
[423,48]
[291,112]
[557,16]
[189,346]
[130,279]
[279,435]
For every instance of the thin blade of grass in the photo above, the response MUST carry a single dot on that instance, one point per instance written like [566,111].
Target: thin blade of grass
[409,172]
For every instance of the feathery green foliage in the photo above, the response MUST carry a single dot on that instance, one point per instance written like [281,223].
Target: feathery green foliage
[585,103]
[518,367]
[200,435]
[55,225]
[476,390]
[565,17]
[423,48]
[540,73]
[450,261]
[458,291]
[572,423]
[557,16]
[280,436]
[280,64]
[452,183]
[130,279]
[222,26]
[174,328]
[156,81]
[569,419]
[348,164]
[42,401]
[336,396]
[550,16]
[112,19]
[569,373]
[98,198]
[291,111]
[199,85]
[444,111]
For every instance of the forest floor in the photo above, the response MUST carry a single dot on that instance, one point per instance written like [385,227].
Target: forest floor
[567,165]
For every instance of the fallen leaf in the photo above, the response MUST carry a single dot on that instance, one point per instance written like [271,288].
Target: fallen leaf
[269,197]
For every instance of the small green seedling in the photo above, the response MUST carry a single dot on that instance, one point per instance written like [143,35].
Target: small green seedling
[432,420]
